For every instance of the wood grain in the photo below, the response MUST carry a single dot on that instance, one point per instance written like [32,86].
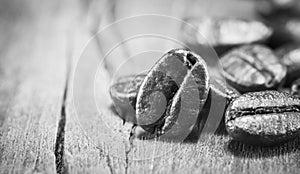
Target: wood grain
[34,48]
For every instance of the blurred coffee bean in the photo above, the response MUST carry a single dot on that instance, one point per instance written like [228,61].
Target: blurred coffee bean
[253,68]
[290,56]
[263,118]
[123,93]
[223,33]
[286,28]
[269,7]
[295,89]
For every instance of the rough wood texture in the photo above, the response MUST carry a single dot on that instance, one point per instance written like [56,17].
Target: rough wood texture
[52,120]
[34,47]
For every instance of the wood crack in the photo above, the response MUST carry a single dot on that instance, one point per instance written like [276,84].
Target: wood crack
[128,149]
[108,161]
[60,136]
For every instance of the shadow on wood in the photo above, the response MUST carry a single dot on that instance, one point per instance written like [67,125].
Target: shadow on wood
[241,150]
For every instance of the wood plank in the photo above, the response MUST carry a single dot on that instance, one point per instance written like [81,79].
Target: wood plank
[216,154]
[89,136]
[34,49]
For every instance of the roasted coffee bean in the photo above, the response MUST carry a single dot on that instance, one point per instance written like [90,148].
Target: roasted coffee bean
[201,121]
[253,68]
[123,93]
[263,118]
[278,6]
[295,89]
[290,56]
[223,33]
[219,96]
[174,91]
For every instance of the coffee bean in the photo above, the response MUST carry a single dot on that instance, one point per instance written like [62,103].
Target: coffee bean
[295,89]
[123,93]
[263,118]
[253,68]
[219,96]
[201,121]
[278,6]
[290,56]
[174,91]
[193,132]
[223,33]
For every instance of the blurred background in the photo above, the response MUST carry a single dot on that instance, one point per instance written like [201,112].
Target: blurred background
[122,21]
[96,14]
[117,23]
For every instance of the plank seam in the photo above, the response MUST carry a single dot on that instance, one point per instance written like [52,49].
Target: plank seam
[60,137]
[61,167]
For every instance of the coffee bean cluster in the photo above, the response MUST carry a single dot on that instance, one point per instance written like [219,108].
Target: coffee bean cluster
[261,86]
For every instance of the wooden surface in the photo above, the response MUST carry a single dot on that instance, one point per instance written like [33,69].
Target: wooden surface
[52,120]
